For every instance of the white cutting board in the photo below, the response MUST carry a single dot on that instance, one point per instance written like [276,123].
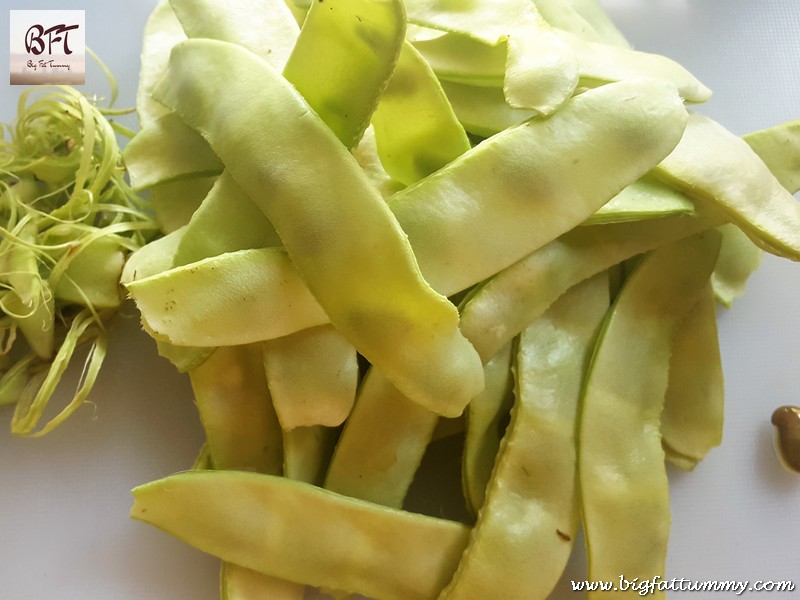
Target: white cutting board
[64,499]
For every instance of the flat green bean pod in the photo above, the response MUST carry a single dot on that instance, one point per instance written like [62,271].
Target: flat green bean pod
[382,444]
[483,111]
[174,202]
[226,221]
[523,537]
[416,130]
[463,59]
[691,422]
[166,150]
[541,72]
[779,147]
[600,63]
[233,401]
[344,59]
[646,198]
[302,533]
[484,427]
[152,258]
[238,583]
[161,32]
[191,305]
[740,183]
[511,300]
[312,377]
[366,154]
[242,433]
[526,186]
[266,28]
[738,258]
[624,488]
[307,453]
[329,218]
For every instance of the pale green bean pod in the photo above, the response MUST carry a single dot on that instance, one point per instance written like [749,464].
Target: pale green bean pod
[526,527]
[302,533]
[416,131]
[312,377]
[624,488]
[507,303]
[485,427]
[328,217]
[267,28]
[691,422]
[344,58]
[740,184]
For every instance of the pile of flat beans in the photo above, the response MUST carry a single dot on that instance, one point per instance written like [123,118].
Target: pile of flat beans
[389,222]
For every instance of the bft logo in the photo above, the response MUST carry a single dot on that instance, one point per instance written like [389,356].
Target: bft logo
[47,47]
[35,38]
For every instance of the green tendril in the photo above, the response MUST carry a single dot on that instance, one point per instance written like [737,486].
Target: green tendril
[68,217]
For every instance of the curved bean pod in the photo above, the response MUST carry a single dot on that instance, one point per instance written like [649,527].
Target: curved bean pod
[740,184]
[344,58]
[312,377]
[523,537]
[600,62]
[302,533]
[161,32]
[232,398]
[485,414]
[624,489]
[415,129]
[779,147]
[213,301]
[738,258]
[328,217]
[226,221]
[382,444]
[267,28]
[691,422]
[166,150]
[540,72]
[174,202]
[506,304]
[242,433]
[526,186]
[483,110]
[646,198]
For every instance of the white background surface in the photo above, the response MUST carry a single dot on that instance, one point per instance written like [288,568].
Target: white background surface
[64,499]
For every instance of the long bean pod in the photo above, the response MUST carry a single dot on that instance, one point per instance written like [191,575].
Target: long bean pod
[624,489]
[328,216]
[302,533]
[691,422]
[523,536]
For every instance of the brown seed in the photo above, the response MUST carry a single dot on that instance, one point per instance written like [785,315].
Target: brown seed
[786,420]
